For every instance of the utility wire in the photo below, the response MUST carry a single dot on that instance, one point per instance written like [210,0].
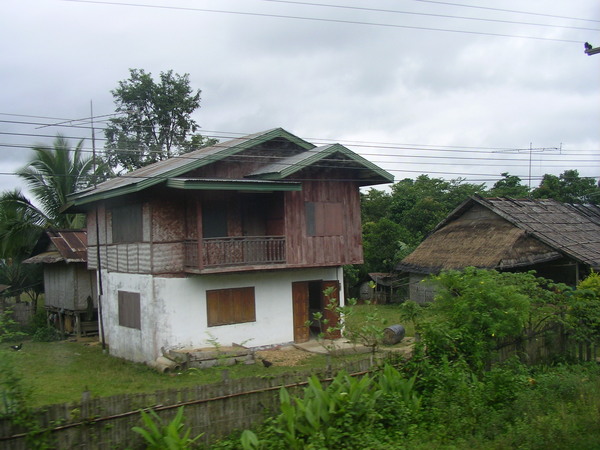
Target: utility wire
[413,13]
[323,141]
[420,156]
[505,10]
[321,19]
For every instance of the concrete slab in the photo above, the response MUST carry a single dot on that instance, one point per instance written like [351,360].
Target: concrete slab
[332,346]
[344,347]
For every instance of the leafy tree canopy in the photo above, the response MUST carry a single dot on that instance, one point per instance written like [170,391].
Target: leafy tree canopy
[385,244]
[420,204]
[155,120]
[568,187]
[509,186]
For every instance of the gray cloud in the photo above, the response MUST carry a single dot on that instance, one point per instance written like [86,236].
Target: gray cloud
[321,80]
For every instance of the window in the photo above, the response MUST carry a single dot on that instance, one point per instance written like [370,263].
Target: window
[129,310]
[324,218]
[227,306]
[127,224]
[214,219]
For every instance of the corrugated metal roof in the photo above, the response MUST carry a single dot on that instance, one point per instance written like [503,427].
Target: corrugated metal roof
[176,166]
[65,245]
[293,164]
[179,166]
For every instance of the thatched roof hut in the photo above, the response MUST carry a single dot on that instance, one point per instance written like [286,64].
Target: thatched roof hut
[559,241]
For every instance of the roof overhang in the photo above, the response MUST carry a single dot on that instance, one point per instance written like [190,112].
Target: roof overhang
[371,174]
[159,172]
[205,184]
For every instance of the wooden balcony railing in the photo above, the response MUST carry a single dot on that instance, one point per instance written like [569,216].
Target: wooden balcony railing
[232,251]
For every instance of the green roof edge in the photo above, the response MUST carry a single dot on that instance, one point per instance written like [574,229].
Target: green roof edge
[74,201]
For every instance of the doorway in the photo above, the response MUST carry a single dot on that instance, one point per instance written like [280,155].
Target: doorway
[308,298]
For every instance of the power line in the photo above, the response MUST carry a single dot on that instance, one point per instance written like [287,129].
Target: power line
[505,10]
[324,141]
[444,16]
[321,19]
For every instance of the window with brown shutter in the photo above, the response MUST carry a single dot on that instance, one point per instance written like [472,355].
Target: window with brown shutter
[129,309]
[127,224]
[227,306]
[324,218]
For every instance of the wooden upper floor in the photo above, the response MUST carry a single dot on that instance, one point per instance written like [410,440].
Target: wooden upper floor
[280,203]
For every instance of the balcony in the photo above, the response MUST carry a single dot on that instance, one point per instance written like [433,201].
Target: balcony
[235,251]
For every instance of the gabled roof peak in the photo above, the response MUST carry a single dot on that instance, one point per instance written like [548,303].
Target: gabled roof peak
[298,154]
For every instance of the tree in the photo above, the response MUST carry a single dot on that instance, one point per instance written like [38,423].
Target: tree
[375,205]
[569,187]
[52,174]
[385,243]
[155,120]
[509,186]
[419,205]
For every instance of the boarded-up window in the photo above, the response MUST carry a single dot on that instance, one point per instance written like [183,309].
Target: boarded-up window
[324,218]
[227,306]
[129,309]
[214,219]
[127,224]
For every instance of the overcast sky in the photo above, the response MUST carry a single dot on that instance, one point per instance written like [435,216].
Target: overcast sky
[448,89]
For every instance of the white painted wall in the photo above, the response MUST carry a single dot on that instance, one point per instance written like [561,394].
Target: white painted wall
[173,310]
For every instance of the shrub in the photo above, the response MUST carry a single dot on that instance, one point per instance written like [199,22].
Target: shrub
[47,334]
[471,312]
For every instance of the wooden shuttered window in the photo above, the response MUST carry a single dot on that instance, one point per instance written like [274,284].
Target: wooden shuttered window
[324,218]
[127,224]
[129,309]
[228,306]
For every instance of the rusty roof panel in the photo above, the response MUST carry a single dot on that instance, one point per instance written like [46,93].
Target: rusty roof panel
[71,244]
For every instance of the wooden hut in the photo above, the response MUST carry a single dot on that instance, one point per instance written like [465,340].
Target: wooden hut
[69,287]
[559,241]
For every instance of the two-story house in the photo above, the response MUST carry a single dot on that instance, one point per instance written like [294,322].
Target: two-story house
[234,242]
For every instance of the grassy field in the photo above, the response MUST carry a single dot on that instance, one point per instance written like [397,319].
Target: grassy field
[58,372]
[386,314]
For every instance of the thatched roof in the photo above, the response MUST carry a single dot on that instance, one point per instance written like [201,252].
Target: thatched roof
[503,233]
[55,246]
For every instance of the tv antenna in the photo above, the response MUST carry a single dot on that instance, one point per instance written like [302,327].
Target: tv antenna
[531,150]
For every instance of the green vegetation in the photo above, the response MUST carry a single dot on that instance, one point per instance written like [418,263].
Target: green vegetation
[160,436]
[445,406]
[395,222]
[453,393]
[154,120]
[58,372]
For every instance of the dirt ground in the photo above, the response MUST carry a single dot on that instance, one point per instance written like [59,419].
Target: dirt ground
[286,355]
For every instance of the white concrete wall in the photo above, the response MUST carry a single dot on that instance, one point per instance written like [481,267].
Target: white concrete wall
[173,310]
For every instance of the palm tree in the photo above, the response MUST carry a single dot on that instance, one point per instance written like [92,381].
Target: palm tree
[53,174]
[20,224]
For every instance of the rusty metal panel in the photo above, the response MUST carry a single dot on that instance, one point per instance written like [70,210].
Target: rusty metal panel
[71,244]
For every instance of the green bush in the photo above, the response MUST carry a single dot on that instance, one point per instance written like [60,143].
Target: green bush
[9,329]
[473,309]
[47,334]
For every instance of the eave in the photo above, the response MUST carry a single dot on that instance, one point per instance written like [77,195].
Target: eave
[162,171]
[232,185]
[290,166]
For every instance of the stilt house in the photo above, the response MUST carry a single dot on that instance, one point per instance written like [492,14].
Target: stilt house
[233,243]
